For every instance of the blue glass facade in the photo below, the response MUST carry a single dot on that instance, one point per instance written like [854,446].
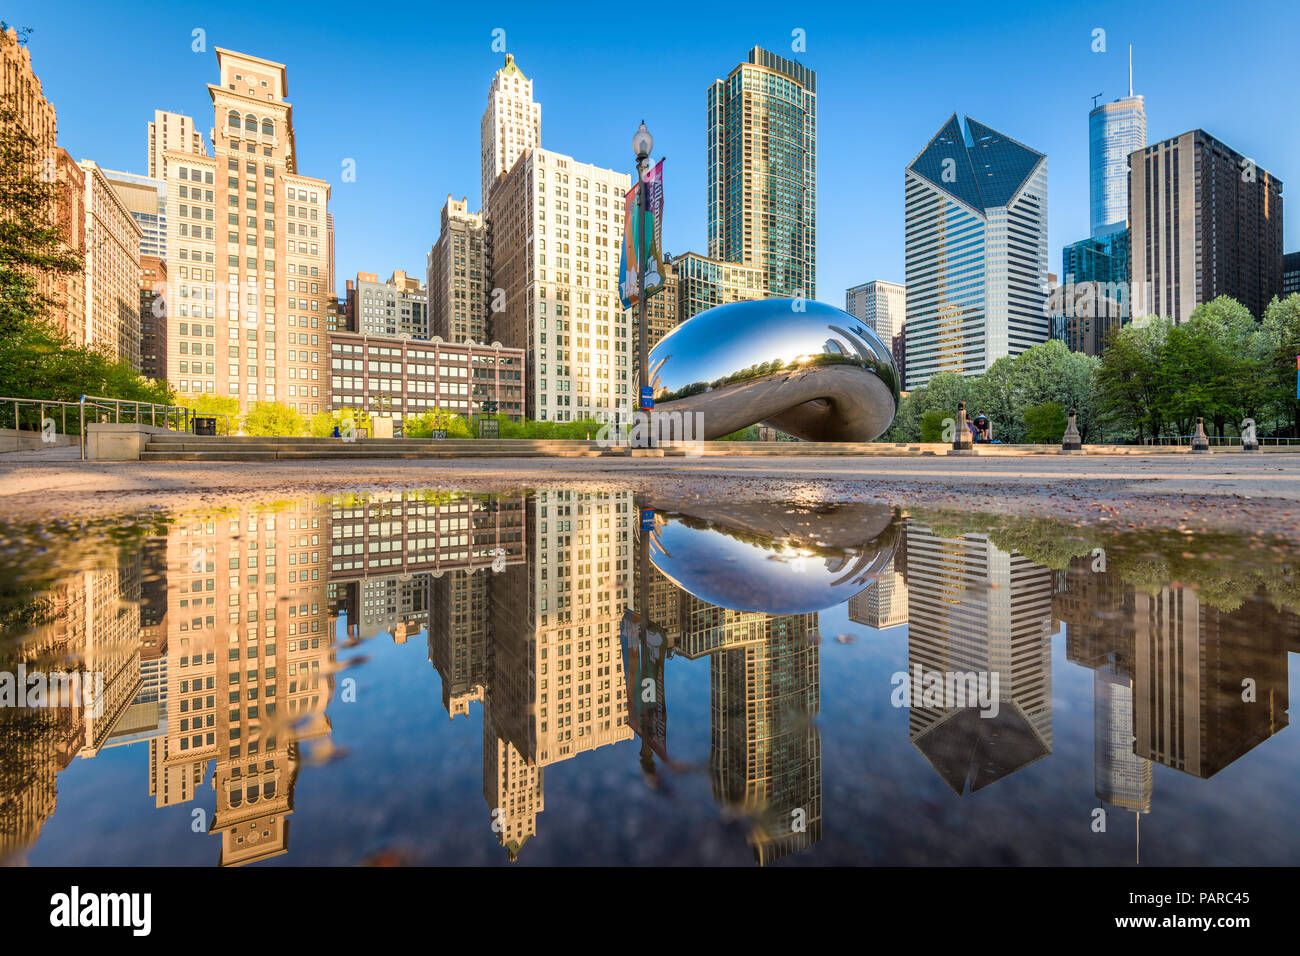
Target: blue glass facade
[1114,130]
[1105,259]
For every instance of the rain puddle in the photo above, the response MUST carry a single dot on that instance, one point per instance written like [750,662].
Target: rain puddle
[557,677]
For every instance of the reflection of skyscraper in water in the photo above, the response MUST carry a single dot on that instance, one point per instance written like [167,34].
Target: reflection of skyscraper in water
[1192,662]
[974,608]
[88,625]
[884,603]
[555,684]
[1121,777]
[459,637]
[765,693]
[250,668]
[765,748]
[1097,610]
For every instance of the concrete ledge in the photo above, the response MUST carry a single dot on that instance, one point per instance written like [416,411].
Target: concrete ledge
[28,440]
[174,446]
[119,441]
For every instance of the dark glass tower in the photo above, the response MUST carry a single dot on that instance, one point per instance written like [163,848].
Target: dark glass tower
[763,171]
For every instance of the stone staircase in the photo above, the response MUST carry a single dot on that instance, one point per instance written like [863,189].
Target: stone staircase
[245,448]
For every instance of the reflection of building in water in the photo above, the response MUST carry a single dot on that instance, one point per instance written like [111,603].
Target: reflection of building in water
[765,748]
[111,646]
[884,603]
[1097,610]
[1121,777]
[396,606]
[975,608]
[765,692]
[384,545]
[555,684]
[145,717]
[459,638]
[88,625]
[249,668]
[1190,662]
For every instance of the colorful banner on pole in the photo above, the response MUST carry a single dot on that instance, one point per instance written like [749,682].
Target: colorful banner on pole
[643,229]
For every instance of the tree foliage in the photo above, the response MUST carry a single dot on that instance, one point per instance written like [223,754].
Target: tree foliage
[37,358]
[273,420]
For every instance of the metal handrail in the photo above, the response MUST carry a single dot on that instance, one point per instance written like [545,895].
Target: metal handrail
[1217,440]
[181,415]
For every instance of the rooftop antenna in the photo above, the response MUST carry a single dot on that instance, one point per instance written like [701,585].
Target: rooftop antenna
[1130,69]
[1095,98]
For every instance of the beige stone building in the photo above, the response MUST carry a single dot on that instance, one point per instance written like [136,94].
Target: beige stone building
[247,250]
[112,270]
[68,292]
[458,303]
[172,133]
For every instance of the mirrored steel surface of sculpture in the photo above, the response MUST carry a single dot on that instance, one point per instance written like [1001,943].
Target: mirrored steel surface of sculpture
[805,368]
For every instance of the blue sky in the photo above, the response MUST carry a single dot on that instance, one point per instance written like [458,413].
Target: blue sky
[400,88]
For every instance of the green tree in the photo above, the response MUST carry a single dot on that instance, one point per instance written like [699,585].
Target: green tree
[932,425]
[273,419]
[217,405]
[1129,381]
[1281,353]
[31,242]
[424,424]
[995,394]
[1045,424]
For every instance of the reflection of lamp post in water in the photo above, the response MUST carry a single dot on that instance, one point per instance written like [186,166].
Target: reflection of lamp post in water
[642,143]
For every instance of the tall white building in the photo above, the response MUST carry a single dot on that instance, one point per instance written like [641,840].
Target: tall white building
[881,305]
[976,251]
[557,224]
[512,123]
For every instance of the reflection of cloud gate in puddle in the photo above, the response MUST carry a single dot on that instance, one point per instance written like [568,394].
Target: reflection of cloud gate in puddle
[805,368]
[770,559]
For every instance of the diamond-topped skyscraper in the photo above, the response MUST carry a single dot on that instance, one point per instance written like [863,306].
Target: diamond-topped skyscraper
[976,251]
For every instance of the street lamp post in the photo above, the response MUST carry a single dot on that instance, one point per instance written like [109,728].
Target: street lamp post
[642,144]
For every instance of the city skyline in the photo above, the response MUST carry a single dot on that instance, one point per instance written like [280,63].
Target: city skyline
[388,218]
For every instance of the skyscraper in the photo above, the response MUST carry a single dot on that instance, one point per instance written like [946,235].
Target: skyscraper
[555,226]
[703,283]
[1115,130]
[881,305]
[172,133]
[512,123]
[976,251]
[762,171]
[456,265]
[247,250]
[1206,221]
[112,271]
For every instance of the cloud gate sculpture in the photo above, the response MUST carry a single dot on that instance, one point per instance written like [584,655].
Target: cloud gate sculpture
[805,368]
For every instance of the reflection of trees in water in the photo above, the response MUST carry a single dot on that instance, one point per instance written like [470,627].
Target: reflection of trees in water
[1224,568]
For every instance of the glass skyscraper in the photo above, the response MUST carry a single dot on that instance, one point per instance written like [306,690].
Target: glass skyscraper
[1114,130]
[976,251]
[762,162]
